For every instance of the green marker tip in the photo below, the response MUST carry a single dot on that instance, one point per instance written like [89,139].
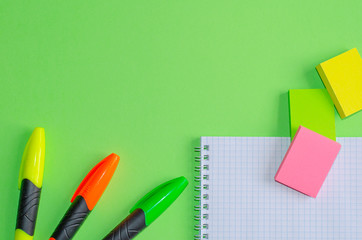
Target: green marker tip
[159,199]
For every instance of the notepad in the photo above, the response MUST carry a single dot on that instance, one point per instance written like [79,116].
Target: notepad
[313,109]
[239,199]
[307,162]
[342,76]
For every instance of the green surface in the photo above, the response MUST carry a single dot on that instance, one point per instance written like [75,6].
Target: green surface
[145,79]
[160,198]
[313,109]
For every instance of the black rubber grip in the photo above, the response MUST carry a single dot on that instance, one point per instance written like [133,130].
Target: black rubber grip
[72,220]
[129,227]
[28,207]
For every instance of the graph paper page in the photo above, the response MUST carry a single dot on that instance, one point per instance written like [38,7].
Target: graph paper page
[244,201]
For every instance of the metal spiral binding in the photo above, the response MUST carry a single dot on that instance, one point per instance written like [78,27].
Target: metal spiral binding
[201,180]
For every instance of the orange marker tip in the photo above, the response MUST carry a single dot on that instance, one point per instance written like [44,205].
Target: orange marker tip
[96,181]
[113,157]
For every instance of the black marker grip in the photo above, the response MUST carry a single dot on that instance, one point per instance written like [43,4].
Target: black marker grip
[129,227]
[28,207]
[72,220]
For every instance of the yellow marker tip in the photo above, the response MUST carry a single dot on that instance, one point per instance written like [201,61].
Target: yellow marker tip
[32,164]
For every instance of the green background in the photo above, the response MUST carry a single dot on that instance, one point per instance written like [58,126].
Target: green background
[145,79]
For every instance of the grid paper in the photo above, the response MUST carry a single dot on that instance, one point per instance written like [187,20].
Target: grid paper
[244,201]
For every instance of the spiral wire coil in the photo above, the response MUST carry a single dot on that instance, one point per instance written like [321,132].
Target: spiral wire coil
[201,196]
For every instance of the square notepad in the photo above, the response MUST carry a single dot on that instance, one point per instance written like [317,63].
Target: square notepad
[313,109]
[307,162]
[342,76]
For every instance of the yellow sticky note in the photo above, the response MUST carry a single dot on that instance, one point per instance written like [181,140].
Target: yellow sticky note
[342,76]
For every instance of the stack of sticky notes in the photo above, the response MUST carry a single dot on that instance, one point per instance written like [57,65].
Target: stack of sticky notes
[312,123]
[313,109]
[307,162]
[342,76]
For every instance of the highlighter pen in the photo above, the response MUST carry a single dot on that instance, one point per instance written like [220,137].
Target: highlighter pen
[86,197]
[148,209]
[30,183]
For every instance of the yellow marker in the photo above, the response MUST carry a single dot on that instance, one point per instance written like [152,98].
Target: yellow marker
[30,183]
[342,76]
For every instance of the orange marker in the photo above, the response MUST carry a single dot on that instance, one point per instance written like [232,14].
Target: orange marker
[86,197]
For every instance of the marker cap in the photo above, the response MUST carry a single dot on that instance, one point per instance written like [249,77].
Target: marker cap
[160,198]
[96,181]
[32,164]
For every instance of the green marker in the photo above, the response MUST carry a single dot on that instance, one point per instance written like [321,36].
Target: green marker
[148,209]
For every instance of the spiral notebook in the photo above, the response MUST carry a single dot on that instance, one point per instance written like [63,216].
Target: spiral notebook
[239,199]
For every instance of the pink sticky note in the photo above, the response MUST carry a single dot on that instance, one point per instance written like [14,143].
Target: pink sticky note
[307,162]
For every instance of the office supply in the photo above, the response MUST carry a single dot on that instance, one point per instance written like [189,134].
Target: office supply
[239,199]
[313,109]
[86,197]
[307,162]
[342,76]
[30,184]
[146,210]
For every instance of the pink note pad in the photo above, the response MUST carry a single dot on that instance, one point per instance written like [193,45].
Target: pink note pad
[307,162]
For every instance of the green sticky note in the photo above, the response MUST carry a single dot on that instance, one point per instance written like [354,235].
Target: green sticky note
[313,109]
